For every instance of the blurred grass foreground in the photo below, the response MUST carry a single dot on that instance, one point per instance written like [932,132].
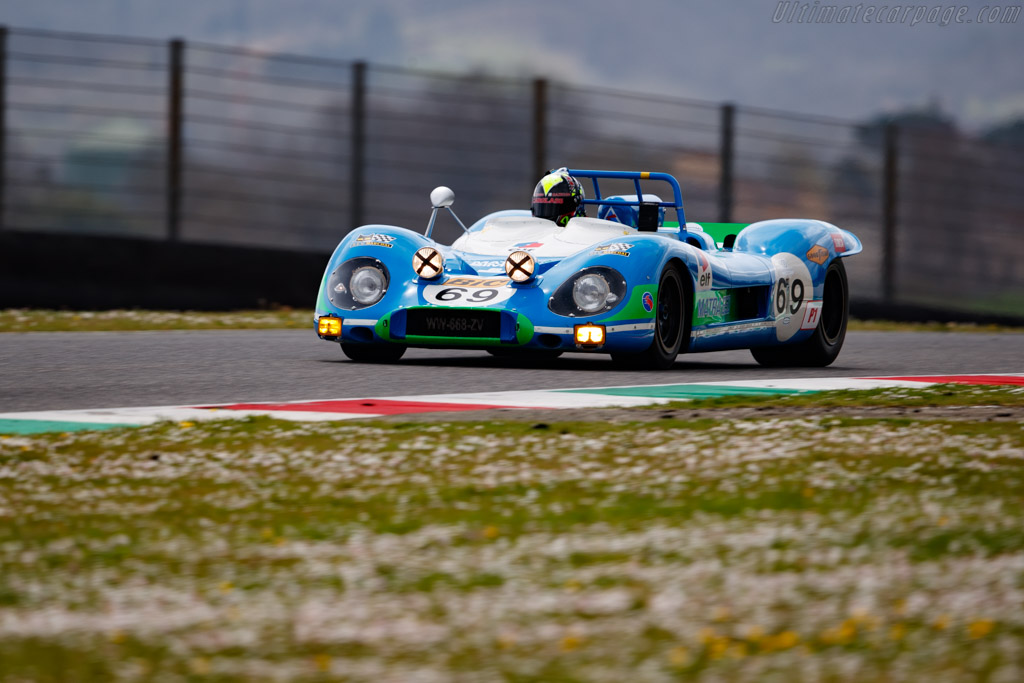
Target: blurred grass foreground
[776,549]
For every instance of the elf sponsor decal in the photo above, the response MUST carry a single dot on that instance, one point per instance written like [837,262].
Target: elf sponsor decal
[791,292]
[375,240]
[648,301]
[713,307]
[617,248]
[811,316]
[704,275]
[466,290]
[817,254]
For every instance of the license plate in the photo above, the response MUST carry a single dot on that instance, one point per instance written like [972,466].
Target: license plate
[437,323]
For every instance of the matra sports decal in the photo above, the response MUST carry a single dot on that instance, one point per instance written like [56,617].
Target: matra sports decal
[375,240]
[465,290]
[648,301]
[617,248]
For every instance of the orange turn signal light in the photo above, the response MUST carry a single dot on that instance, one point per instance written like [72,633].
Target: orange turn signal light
[589,334]
[329,327]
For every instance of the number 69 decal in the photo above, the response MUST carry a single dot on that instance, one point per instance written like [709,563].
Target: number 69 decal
[790,295]
[468,291]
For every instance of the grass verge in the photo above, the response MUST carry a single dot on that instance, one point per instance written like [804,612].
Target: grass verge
[747,550]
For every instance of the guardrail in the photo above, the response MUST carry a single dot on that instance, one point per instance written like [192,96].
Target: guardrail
[203,144]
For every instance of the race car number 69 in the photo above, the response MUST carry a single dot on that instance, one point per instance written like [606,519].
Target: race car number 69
[468,291]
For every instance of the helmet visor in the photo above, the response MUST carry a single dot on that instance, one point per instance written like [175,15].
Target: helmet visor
[553,205]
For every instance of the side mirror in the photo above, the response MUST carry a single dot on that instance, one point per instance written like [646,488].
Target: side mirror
[442,197]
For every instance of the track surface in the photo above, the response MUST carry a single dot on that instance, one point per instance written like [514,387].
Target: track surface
[50,371]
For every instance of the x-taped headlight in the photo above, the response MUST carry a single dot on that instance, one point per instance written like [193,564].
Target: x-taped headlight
[357,283]
[520,266]
[428,262]
[592,290]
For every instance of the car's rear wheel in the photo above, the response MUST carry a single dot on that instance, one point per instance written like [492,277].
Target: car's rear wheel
[671,324]
[823,346]
[373,353]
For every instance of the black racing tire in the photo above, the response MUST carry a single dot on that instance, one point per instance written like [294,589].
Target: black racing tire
[373,353]
[525,354]
[672,322]
[823,346]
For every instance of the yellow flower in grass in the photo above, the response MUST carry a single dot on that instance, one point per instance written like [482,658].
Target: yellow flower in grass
[941,622]
[980,628]
[570,642]
[322,662]
[186,424]
[897,631]
[679,657]
[226,587]
[491,532]
[200,665]
[718,647]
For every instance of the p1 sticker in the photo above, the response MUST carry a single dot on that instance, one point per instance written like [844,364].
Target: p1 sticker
[471,291]
[838,242]
[648,302]
[704,275]
[811,316]
[791,292]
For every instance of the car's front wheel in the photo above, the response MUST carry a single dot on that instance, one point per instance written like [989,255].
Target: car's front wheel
[671,324]
[373,353]
[823,346]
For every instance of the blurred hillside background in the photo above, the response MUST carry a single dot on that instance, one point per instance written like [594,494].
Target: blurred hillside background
[282,126]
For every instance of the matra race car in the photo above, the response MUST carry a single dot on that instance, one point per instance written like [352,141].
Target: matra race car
[627,282]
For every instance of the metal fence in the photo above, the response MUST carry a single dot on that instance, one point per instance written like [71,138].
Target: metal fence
[202,143]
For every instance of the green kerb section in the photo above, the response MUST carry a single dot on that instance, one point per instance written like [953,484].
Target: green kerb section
[43,426]
[683,392]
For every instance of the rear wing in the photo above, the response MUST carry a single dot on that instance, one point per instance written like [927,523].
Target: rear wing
[636,177]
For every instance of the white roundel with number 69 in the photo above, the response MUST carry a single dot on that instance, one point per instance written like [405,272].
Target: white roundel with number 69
[792,291]
[465,290]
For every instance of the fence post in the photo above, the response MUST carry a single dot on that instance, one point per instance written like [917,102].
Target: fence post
[728,131]
[174,138]
[3,123]
[540,124]
[890,211]
[358,159]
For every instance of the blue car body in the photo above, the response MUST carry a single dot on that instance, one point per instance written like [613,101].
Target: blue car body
[755,286]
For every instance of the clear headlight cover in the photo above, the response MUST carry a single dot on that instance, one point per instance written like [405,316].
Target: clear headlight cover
[590,292]
[593,290]
[357,283]
[367,285]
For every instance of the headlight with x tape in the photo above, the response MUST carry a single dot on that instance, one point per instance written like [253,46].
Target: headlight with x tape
[520,266]
[428,262]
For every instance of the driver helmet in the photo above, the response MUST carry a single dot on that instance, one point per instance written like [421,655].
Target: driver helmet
[558,197]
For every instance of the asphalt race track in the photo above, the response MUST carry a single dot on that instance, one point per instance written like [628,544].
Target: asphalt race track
[51,371]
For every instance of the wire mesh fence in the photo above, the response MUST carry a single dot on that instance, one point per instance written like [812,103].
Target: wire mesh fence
[118,136]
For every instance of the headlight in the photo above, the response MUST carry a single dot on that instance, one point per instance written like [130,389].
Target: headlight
[428,262]
[591,292]
[357,283]
[520,266]
[367,285]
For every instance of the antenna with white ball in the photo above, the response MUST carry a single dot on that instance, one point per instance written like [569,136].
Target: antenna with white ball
[442,197]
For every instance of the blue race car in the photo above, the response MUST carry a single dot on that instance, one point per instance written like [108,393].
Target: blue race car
[627,282]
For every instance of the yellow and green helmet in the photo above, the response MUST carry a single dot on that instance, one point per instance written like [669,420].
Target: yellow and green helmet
[558,197]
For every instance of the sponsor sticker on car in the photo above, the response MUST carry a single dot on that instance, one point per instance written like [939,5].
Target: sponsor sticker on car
[375,240]
[617,248]
[467,290]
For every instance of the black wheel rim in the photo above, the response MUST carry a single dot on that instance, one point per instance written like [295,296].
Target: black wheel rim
[670,318]
[833,307]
